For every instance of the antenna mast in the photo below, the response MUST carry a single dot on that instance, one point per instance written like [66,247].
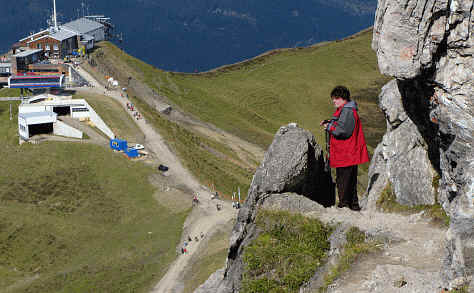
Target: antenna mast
[55,20]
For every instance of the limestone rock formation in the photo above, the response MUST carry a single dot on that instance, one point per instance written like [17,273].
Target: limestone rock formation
[427,46]
[293,163]
[402,157]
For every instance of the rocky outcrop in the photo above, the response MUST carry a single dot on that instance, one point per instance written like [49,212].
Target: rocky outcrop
[402,156]
[426,45]
[294,163]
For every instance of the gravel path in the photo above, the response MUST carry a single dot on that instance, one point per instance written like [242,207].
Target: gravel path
[203,219]
[413,255]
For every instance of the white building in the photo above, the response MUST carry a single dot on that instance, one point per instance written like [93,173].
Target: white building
[40,115]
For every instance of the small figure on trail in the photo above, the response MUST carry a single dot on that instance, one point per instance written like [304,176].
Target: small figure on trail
[189,238]
[185,244]
[202,235]
[196,238]
[185,250]
[182,250]
[218,207]
[195,200]
[347,147]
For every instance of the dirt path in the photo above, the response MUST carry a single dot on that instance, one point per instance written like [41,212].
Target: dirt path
[203,219]
[413,255]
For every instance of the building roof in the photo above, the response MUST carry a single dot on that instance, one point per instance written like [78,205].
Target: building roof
[33,35]
[28,53]
[37,114]
[62,35]
[83,25]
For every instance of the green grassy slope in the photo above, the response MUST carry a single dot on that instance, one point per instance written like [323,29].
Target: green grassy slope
[254,98]
[78,217]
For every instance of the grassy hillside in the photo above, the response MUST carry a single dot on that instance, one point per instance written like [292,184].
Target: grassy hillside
[79,218]
[254,98]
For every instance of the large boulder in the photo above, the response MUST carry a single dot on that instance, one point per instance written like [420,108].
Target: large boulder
[427,46]
[294,163]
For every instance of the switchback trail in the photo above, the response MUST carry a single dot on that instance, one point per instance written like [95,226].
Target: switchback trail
[204,218]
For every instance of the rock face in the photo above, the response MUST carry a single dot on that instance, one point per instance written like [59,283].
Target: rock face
[402,157]
[427,46]
[293,163]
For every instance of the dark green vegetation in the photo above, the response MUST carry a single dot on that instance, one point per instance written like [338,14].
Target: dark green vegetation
[286,254]
[79,218]
[355,247]
[253,99]
[387,203]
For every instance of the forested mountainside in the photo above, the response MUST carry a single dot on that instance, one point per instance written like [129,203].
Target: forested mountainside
[184,35]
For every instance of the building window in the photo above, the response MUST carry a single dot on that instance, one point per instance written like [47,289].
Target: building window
[80,110]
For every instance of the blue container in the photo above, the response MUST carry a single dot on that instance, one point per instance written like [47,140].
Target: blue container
[118,145]
[132,153]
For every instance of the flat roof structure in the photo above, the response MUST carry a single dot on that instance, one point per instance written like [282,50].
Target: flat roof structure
[27,53]
[33,35]
[62,35]
[83,25]
[39,117]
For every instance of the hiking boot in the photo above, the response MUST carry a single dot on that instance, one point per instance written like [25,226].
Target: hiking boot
[355,207]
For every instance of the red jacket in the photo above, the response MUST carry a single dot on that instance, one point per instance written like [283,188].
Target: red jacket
[347,143]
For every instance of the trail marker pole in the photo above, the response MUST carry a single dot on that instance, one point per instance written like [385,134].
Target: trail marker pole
[11,117]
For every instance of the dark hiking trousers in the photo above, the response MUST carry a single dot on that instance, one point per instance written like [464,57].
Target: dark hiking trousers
[346,181]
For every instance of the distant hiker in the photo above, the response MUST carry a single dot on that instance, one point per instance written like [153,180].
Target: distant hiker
[182,250]
[189,238]
[347,146]
[202,235]
[195,200]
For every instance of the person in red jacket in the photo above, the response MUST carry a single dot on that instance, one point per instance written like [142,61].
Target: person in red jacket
[347,147]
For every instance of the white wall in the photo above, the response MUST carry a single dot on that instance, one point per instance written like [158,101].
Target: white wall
[98,122]
[61,128]
[78,113]
[32,109]
[23,128]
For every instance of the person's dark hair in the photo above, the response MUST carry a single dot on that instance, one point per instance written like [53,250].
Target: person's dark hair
[341,91]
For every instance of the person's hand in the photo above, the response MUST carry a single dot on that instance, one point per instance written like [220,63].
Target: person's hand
[324,124]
